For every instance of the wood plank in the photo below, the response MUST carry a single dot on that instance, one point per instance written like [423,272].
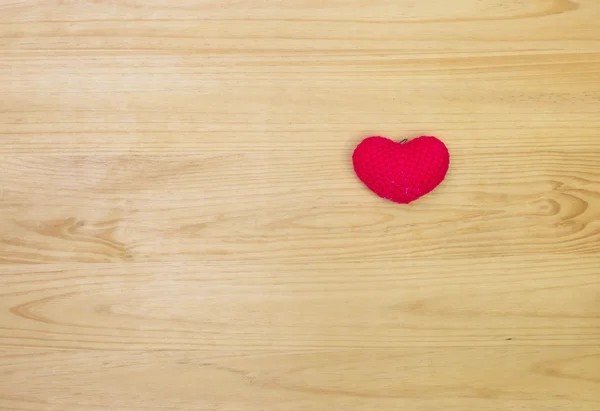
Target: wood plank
[520,378]
[258,305]
[492,333]
[166,85]
[291,207]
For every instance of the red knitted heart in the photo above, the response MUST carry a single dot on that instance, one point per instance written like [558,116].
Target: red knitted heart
[401,172]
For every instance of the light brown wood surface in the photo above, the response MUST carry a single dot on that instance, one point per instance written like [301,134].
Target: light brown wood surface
[181,228]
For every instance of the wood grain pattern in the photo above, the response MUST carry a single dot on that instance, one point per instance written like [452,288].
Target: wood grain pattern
[181,228]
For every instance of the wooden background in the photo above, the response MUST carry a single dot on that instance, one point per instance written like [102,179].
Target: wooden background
[181,228]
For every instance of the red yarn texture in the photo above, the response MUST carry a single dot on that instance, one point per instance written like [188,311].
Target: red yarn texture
[401,172]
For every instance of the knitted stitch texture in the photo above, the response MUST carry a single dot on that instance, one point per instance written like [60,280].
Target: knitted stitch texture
[401,172]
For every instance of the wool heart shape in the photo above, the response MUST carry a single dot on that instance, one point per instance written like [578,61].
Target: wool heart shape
[401,172]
